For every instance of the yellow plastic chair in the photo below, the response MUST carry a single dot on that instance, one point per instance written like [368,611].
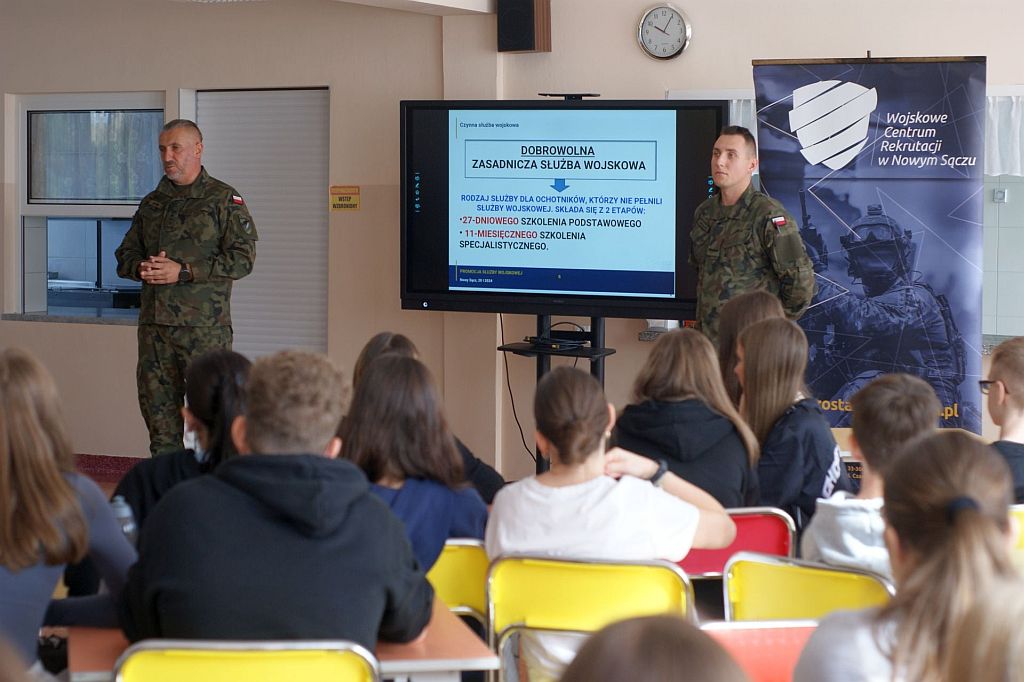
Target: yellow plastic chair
[1017,512]
[539,593]
[765,587]
[459,577]
[171,660]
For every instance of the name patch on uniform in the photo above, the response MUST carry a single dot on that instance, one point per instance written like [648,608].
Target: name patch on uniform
[779,222]
[238,200]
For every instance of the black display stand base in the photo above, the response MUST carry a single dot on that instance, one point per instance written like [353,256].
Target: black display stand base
[595,353]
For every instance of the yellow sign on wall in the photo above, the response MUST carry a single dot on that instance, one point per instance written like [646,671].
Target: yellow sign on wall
[344,197]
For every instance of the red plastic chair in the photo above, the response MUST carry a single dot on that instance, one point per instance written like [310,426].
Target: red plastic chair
[758,529]
[767,651]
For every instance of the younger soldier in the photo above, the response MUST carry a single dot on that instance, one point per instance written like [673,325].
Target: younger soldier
[744,240]
[1005,389]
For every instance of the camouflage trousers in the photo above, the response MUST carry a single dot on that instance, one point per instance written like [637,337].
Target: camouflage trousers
[164,354]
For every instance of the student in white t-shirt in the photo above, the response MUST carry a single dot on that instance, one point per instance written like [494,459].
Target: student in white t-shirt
[594,504]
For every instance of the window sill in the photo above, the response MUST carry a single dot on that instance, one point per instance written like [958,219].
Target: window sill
[69,319]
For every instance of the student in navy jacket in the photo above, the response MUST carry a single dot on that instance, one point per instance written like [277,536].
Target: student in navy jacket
[799,460]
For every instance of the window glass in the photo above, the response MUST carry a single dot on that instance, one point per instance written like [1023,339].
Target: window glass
[88,157]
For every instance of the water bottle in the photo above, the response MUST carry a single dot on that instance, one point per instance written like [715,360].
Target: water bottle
[125,518]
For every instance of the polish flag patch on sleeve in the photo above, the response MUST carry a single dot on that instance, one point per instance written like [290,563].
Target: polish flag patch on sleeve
[779,222]
[238,200]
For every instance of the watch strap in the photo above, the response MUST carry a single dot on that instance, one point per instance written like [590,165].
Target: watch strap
[659,475]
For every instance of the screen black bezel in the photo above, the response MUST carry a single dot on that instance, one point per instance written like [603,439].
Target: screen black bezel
[680,307]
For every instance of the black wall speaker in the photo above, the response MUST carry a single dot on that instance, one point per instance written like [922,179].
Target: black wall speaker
[524,25]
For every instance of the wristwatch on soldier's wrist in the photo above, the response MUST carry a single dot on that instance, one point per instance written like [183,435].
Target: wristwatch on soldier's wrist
[185,274]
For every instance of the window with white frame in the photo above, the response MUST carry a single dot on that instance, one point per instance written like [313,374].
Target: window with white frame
[85,162]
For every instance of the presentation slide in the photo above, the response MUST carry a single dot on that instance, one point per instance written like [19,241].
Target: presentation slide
[562,201]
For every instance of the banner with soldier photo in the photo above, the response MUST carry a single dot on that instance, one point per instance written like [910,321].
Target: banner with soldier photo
[882,161]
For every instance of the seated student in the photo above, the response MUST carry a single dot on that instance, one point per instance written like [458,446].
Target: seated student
[50,514]
[680,412]
[1005,389]
[215,395]
[799,460]
[214,390]
[482,476]
[594,505]
[397,434]
[988,644]
[887,413]
[283,541]
[652,649]
[948,532]
[737,314]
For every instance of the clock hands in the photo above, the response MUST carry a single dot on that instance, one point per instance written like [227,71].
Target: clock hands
[666,26]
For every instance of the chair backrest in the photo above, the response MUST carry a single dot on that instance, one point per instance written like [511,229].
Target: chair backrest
[580,595]
[764,587]
[767,530]
[766,650]
[459,577]
[170,660]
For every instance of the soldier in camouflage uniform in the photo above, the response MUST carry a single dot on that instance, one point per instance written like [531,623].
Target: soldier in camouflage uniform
[189,240]
[744,240]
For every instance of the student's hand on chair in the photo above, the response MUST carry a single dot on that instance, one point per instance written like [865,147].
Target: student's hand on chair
[619,463]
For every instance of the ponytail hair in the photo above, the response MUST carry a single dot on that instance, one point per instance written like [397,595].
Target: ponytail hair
[947,498]
[215,390]
[571,412]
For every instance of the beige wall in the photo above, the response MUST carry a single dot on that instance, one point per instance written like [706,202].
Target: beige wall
[370,59]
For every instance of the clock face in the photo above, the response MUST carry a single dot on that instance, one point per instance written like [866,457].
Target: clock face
[664,32]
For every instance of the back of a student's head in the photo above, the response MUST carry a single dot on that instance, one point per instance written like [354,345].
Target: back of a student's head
[737,314]
[215,385]
[295,401]
[888,413]
[682,366]
[946,507]
[1008,368]
[774,358]
[41,519]
[396,424]
[380,344]
[652,649]
[571,412]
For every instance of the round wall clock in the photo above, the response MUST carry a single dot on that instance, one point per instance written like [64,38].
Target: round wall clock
[664,31]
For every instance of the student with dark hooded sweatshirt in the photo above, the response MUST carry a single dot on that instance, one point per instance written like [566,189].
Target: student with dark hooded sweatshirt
[282,542]
[681,413]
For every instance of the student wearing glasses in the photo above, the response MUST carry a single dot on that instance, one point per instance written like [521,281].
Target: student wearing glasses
[1005,391]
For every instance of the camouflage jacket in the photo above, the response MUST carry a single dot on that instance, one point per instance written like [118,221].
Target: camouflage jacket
[753,244]
[205,224]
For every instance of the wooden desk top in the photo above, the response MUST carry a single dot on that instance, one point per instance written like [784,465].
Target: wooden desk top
[449,645]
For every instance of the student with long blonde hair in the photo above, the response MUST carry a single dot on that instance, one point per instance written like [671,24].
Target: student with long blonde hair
[50,515]
[948,531]
[682,414]
[799,460]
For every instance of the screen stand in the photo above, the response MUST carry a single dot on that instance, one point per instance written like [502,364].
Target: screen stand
[595,352]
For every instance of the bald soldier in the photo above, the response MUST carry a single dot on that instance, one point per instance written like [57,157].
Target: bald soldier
[189,240]
[744,240]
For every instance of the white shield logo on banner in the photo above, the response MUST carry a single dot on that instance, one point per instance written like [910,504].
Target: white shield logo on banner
[830,118]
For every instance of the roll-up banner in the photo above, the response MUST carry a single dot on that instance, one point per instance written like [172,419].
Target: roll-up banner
[882,161]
